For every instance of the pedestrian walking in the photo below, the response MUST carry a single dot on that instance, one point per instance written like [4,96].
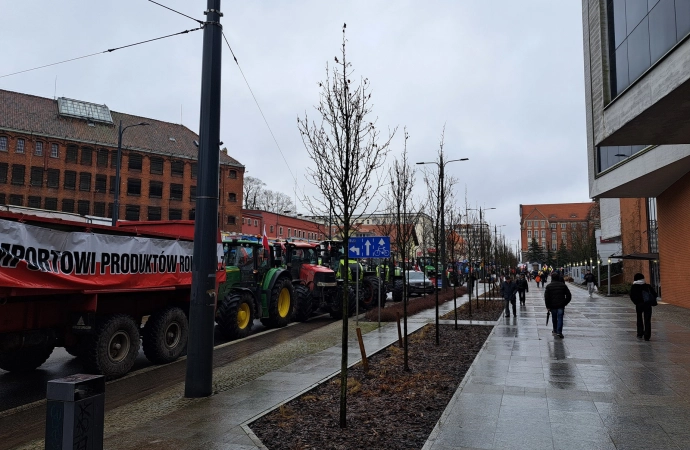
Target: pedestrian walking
[556,298]
[522,286]
[643,296]
[508,290]
[589,279]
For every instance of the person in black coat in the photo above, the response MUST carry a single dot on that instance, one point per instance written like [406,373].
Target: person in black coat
[642,308]
[556,298]
[522,286]
[508,290]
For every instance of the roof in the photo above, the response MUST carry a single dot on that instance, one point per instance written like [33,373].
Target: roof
[557,212]
[39,116]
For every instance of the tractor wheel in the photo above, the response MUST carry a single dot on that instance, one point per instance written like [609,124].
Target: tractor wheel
[236,315]
[165,335]
[398,289]
[352,302]
[76,350]
[25,359]
[370,298]
[280,306]
[304,305]
[336,304]
[114,348]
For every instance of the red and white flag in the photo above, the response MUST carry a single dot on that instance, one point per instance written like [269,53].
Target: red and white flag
[264,239]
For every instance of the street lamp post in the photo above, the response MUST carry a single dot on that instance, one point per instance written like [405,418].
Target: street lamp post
[598,269]
[609,283]
[116,203]
[441,167]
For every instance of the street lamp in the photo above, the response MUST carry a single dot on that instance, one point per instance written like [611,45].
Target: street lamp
[116,204]
[598,269]
[609,283]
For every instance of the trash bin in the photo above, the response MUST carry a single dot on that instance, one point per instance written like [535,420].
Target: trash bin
[74,413]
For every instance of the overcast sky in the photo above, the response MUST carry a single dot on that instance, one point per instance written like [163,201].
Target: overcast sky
[505,76]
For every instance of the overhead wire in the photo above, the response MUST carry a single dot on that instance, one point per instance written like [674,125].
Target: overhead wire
[263,116]
[100,53]
[201,22]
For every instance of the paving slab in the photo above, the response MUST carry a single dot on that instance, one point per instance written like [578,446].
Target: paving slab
[598,388]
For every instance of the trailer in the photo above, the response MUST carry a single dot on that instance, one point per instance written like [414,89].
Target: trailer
[99,291]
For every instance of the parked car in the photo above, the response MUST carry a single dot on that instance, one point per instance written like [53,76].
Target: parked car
[418,283]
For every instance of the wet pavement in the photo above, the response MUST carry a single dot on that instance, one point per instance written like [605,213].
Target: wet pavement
[598,388]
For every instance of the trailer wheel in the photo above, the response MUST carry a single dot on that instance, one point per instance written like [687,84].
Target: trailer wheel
[114,348]
[165,335]
[398,290]
[280,306]
[371,292]
[25,359]
[236,315]
[304,304]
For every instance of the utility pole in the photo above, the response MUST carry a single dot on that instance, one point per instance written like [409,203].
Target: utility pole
[199,377]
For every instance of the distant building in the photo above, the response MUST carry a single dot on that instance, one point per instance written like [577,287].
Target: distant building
[281,226]
[60,155]
[551,224]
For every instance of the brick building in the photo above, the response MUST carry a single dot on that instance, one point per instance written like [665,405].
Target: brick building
[551,224]
[61,155]
[281,226]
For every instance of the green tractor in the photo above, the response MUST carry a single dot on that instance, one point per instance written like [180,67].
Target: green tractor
[316,286]
[255,287]
[370,285]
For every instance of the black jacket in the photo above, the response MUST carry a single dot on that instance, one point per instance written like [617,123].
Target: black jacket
[508,289]
[522,285]
[556,295]
[589,278]
[636,293]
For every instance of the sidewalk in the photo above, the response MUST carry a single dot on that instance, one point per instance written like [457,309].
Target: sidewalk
[220,421]
[599,388]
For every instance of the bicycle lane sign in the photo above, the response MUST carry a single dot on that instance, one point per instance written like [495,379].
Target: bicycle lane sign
[369,247]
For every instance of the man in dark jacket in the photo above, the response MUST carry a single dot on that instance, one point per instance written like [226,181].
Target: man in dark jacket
[556,298]
[589,279]
[644,328]
[508,290]
[522,286]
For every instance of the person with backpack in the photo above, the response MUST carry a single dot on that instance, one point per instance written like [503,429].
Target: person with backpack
[522,286]
[643,296]
[556,298]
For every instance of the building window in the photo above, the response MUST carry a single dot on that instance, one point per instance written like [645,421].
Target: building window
[134,187]
[564,236]
[84,181]
[154,213]
[232,197]
[192,193]
[271,228]
[176,191]
[155,189]
[174,214]
[543,234]
[101,183]
[16,200]
[529,234]
[53,178]
[553,237]
[70,180]
[72,153]
[554,246]
[67,205]
[102,157]
[232,174]
[20,146]
[3,143]
[256,223]
[113,159]
[132,212]
[553,226]
[194,171]
[280,231]
[232,220]
[177,168]
[563,226]
[86,156]
[110,210]
[54,151]
[156,165]
[3,172]
[529,223]
[543,223]
[192,214]
[134,161]
[18,172]
[36,176]
[51,203]
[288,235]
[99,209]
[83,207]
[38,151]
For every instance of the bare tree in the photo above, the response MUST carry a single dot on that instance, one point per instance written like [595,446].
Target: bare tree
[347,155]
[252,187]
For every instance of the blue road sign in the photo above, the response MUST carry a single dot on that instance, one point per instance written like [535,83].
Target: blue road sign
[369,247]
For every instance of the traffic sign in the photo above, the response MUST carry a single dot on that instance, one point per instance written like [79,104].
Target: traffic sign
[369,247]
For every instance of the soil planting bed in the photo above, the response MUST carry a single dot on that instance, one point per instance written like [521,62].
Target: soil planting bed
[485,310]
[388,408]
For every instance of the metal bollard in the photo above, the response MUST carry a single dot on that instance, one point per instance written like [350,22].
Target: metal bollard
[74,413]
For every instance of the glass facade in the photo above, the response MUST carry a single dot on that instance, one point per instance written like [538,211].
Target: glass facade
[610,156]
[640,33]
